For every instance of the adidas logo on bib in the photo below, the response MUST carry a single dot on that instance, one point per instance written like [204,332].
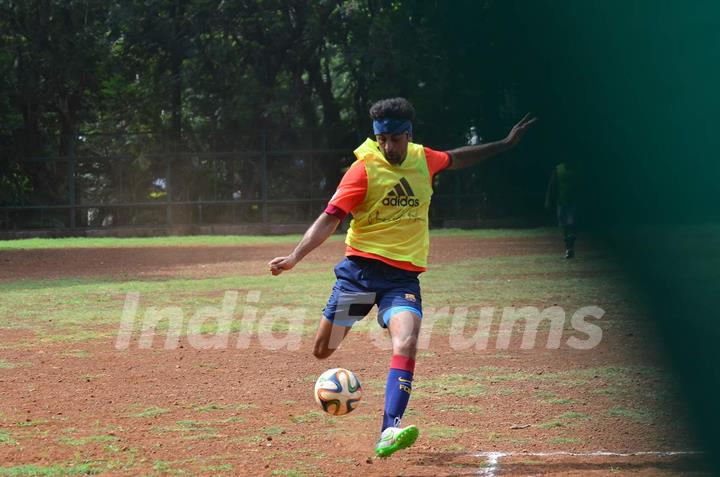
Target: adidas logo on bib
[401,195]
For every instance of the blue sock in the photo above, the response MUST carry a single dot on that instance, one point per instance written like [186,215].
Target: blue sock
[397,390]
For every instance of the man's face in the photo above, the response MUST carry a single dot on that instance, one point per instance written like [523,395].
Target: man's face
[393,146]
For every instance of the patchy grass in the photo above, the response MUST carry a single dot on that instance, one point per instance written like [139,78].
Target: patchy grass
[7,364]
[189,429]
[520,280]
[134,242]
[548,397]
[62,309]
[74,310]
[467,409]
[441,432]
[494,437]
[289,472]
[152,411]
[54,470]
[232,420]
[554,424]
[545,395]
[313,416]
[363,417]
[32,423]
[458,385]
[214,469]
[77,353]
[210,407]
[495,233]
[520,441]
[574,415]
[188,424]
[82,441]
[203,436]
[162,466]
[272,430]
[562,401]
[6,438]
[639,415]
[79,309]
[234,240]
[556,441]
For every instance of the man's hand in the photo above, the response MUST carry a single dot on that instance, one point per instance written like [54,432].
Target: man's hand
[318,232]
[517,132]
[280,264]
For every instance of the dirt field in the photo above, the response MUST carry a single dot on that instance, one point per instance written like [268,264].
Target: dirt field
[86,407]
[203,262]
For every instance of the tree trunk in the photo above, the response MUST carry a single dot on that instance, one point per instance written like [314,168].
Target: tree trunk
[323,87]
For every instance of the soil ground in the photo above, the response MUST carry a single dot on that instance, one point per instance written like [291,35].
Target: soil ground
[94,408]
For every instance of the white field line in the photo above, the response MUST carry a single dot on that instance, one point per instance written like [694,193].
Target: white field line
[492,459]
[492,462]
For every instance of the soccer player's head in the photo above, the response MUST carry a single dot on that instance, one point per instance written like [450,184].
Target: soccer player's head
[392,125]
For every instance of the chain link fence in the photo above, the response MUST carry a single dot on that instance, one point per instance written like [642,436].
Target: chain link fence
[154,182]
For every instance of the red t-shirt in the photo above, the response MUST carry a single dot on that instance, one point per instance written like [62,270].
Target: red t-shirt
[353,188]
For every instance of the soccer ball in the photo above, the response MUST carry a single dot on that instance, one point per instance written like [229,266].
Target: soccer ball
[338,391]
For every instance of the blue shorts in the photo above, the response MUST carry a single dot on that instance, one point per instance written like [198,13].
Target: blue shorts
[363,283]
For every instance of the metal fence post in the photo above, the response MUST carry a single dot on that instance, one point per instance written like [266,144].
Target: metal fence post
[168,191]
[71,180]
[263,178]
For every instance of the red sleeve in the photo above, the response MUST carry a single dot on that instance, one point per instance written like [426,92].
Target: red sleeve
[350,192]
[437,160]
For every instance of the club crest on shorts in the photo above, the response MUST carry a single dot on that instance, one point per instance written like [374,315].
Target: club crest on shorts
[410,297]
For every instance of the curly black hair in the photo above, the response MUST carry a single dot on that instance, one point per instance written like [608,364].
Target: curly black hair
[397,108]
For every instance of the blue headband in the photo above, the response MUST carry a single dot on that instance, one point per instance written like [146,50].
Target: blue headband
[392,126]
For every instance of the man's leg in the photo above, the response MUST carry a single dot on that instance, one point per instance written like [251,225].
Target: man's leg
[404,327]
[349,302]
[569,231]
[344,308]
[328,338]
[566,224]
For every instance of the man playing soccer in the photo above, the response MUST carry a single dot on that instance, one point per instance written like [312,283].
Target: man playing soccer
[563,184]
[387,190]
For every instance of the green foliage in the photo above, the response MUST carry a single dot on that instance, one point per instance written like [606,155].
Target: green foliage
[15,185]
[196,76]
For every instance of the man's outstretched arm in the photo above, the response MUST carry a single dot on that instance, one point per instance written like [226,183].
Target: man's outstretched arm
[469,155]
[318,232]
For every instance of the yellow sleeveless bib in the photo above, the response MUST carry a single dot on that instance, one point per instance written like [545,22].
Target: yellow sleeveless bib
[392,220]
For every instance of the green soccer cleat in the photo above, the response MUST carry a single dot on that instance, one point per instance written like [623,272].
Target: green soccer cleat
[393,439]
